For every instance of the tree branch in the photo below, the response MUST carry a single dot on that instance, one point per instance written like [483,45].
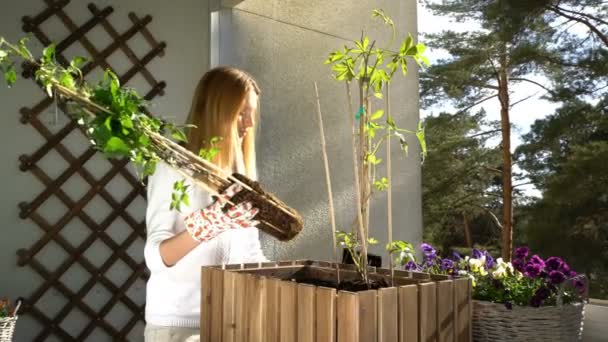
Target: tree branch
[582,14]
[585,22]
[496,220]
[477,103]
[521,79]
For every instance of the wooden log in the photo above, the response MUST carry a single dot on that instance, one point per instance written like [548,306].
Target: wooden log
[445,310]
[348,316]
[427,297]
[289,314]
[326,315]
[408,313]
[368,316]
[388,315]
[306,313]
[273,315]
[462,308]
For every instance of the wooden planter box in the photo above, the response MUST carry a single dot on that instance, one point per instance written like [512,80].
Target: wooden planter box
[265,303]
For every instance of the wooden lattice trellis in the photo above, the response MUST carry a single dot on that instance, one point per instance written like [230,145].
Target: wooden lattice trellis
[52,231]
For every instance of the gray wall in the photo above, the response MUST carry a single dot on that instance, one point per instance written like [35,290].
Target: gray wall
[283,43]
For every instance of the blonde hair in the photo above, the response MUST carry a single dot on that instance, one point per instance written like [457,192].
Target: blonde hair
[216,106]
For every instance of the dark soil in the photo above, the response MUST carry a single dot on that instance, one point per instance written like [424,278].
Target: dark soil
[270,215]
[356,285]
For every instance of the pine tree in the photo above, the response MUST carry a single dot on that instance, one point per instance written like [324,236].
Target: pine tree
[515,40]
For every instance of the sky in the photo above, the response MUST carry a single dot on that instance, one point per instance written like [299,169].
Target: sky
[522,115]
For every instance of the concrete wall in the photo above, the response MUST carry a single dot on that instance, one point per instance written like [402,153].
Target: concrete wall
[283,43]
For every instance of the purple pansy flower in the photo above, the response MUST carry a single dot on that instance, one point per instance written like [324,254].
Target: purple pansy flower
[579,286]
[519,264]
[539,296]
[554,264]
[477,254]
[447,264]
[532,270]
[457,257]
[556,277]
[521,252]
[411,266]
[489,260]
[535,259]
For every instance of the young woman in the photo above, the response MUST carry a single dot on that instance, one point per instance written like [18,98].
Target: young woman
[225,105]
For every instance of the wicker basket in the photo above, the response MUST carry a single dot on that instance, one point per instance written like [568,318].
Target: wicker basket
[7,327]
[494,322]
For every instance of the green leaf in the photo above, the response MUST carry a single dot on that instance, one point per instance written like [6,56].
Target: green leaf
[379,95]
[377,114]
[421,140]
[10,75]
[185,200]
[49,53]
[78,61]
[67,80]
[179,135]
[3,54]
[116,145]
[144,140]
[404,68]
[391,123]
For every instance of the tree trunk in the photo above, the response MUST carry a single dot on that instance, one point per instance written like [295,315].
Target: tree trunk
[467,231]
[507,186]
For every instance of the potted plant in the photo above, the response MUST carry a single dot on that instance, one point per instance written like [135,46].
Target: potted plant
[529,299]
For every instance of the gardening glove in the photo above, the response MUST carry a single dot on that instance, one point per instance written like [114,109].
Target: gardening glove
[205,224]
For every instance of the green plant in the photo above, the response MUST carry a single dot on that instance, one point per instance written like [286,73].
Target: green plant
[373,69]
[353,246]
[112,116]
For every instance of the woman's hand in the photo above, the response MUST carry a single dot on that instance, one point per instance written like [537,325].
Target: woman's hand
[205,224]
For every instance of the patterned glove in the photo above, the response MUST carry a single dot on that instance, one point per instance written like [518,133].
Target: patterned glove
[205,224]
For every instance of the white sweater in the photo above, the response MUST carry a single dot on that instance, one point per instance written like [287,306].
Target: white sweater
[173,293]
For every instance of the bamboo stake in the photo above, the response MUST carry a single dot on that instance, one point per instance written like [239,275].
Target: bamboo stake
[332,213]
[357,184]
[389,195]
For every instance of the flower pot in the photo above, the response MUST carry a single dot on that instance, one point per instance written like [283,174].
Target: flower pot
[494,322]
[274,302]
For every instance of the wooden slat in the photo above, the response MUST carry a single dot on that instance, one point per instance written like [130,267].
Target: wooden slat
[348,317]
[228,308]
[427,297]
[306,313]
[326,315]
[388,315]
[273,316]
[445,311]
[368,315]
[408,313]
[217,283]
[462,308]
[256,300]
[240,306]
[289,314]
[206,292]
